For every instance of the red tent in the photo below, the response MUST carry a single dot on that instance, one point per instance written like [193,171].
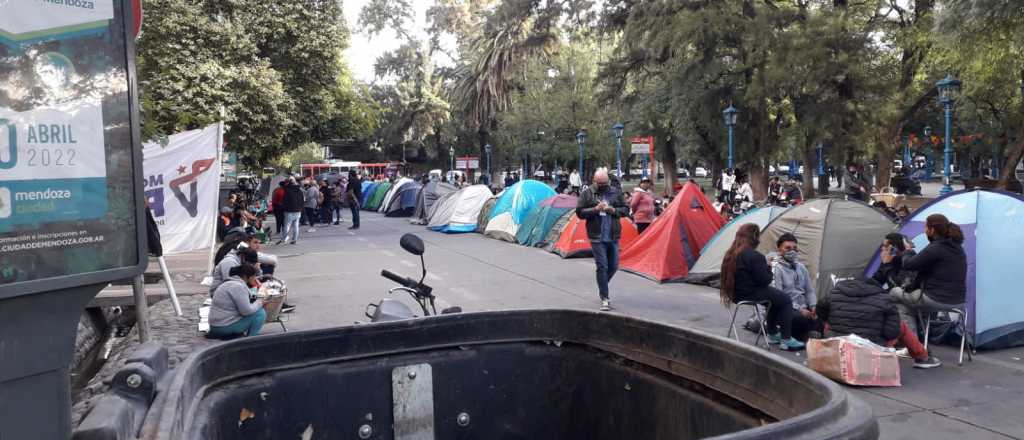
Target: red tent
[672,244]
[573,241]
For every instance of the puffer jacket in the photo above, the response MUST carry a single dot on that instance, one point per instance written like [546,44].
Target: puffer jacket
[861,307]
[585,210]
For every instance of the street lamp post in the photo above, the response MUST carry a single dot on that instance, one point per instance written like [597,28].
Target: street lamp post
[929,165]
[581,140]
[451,155]
[730,121]
[487,150]
[948,87]
[617,130]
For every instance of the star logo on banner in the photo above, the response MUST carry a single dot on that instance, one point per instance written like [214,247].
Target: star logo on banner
[181,169]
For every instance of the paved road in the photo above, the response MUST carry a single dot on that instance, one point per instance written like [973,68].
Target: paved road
[333,273]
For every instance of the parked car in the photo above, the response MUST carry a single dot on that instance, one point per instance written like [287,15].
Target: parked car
[700,172]
[683,173]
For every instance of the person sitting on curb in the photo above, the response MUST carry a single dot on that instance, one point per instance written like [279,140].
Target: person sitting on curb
[236,311]
[792,277]
[229,255]
[862,307]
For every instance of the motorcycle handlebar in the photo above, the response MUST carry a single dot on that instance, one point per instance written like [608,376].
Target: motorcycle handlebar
[421,289]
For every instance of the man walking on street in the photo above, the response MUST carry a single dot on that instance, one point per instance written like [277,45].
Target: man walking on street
[292,206]
[277,205]
[355,194]
[602,206]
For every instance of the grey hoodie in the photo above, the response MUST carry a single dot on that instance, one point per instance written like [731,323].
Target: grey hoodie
[795,280]
[231,303]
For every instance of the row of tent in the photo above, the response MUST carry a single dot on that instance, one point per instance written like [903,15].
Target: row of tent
[839,239]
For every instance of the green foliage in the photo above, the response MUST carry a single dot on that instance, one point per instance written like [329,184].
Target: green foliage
[275,68]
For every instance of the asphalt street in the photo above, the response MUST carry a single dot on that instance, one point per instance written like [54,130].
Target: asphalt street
[333,273]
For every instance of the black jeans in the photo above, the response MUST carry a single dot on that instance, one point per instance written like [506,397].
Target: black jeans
[326,211]
[640,227]
[279,219]
[355,214]
[780,314]
[803,325]
[311,216]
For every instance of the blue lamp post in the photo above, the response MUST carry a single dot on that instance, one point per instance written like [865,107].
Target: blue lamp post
[451,154]
[821,159]
[581,140]
[929,164]
[948,87]
[487,149]
[730,121]
[617,130]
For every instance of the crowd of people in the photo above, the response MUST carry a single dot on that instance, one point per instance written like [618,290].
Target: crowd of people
[314,203]
[884,309]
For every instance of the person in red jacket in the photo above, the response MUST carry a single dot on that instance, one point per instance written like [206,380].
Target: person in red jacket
[276,200]
[642,205]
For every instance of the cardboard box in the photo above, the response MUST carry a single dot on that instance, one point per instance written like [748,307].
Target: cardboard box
[847,362]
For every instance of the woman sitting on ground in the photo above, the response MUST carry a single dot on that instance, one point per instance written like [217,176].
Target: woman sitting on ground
[233,313]
[747,277]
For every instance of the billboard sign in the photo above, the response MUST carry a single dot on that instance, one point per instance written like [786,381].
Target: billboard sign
[70,188]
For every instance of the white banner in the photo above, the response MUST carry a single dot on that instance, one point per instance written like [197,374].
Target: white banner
[641,149]
[182,181]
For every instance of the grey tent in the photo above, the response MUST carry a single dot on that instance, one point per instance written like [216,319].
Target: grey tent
[485,213]
[709,266]
[428,196]
[837,238]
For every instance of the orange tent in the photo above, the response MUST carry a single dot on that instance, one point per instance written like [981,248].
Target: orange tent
[672,244]
[573,241]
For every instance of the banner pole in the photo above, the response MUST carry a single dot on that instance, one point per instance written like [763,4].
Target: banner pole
[216,196]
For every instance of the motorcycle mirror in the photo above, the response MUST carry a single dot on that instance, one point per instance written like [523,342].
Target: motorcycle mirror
[412,244]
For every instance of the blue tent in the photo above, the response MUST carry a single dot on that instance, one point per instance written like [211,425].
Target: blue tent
[403,202]
[993,225]
[368,190]
[513,206]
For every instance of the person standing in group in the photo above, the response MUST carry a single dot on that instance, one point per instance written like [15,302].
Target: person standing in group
[312,203]
[355,194]
[747,277]
[854,185]
[277,206]
[326,203]
[575,182]
[601,206]
[337,200]
[727,181]
[292,202]
[509,180]
[941,281]
[642,205]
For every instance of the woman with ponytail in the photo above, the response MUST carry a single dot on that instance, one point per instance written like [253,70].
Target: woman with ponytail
[235,311]
[747,277]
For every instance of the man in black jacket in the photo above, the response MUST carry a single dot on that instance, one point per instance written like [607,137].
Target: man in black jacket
[941,282]
[292,205]
[601,206]
[862,307]
[354,192]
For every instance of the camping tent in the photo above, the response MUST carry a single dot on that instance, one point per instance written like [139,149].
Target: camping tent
[485,213]
[513,206]
[672,243]
[709,265]
[368,189]
[573,240]
[836,238]
[542,217]
[383,188]
[395,188]
[426,198]
[403,201]
[993,225]
[458,212]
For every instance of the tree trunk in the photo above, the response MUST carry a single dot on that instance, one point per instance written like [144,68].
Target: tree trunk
[1009,171]
[668,161]
[758,179]
[884,171]
[810,169]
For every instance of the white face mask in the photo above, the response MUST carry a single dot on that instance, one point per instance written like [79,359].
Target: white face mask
[791,256]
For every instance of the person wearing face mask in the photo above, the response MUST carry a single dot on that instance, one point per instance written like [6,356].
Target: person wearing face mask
[792,277]
[747,277]
[855,186]
[941,281]
[235,311]
[601,206]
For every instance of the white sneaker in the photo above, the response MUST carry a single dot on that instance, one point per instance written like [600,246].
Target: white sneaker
[310,230]
[606,305]
[903,353]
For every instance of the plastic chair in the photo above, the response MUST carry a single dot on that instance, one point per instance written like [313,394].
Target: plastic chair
[760,318]
[961,324]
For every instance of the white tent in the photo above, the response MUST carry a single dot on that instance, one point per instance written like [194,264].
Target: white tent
[459,212]
[502,227]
